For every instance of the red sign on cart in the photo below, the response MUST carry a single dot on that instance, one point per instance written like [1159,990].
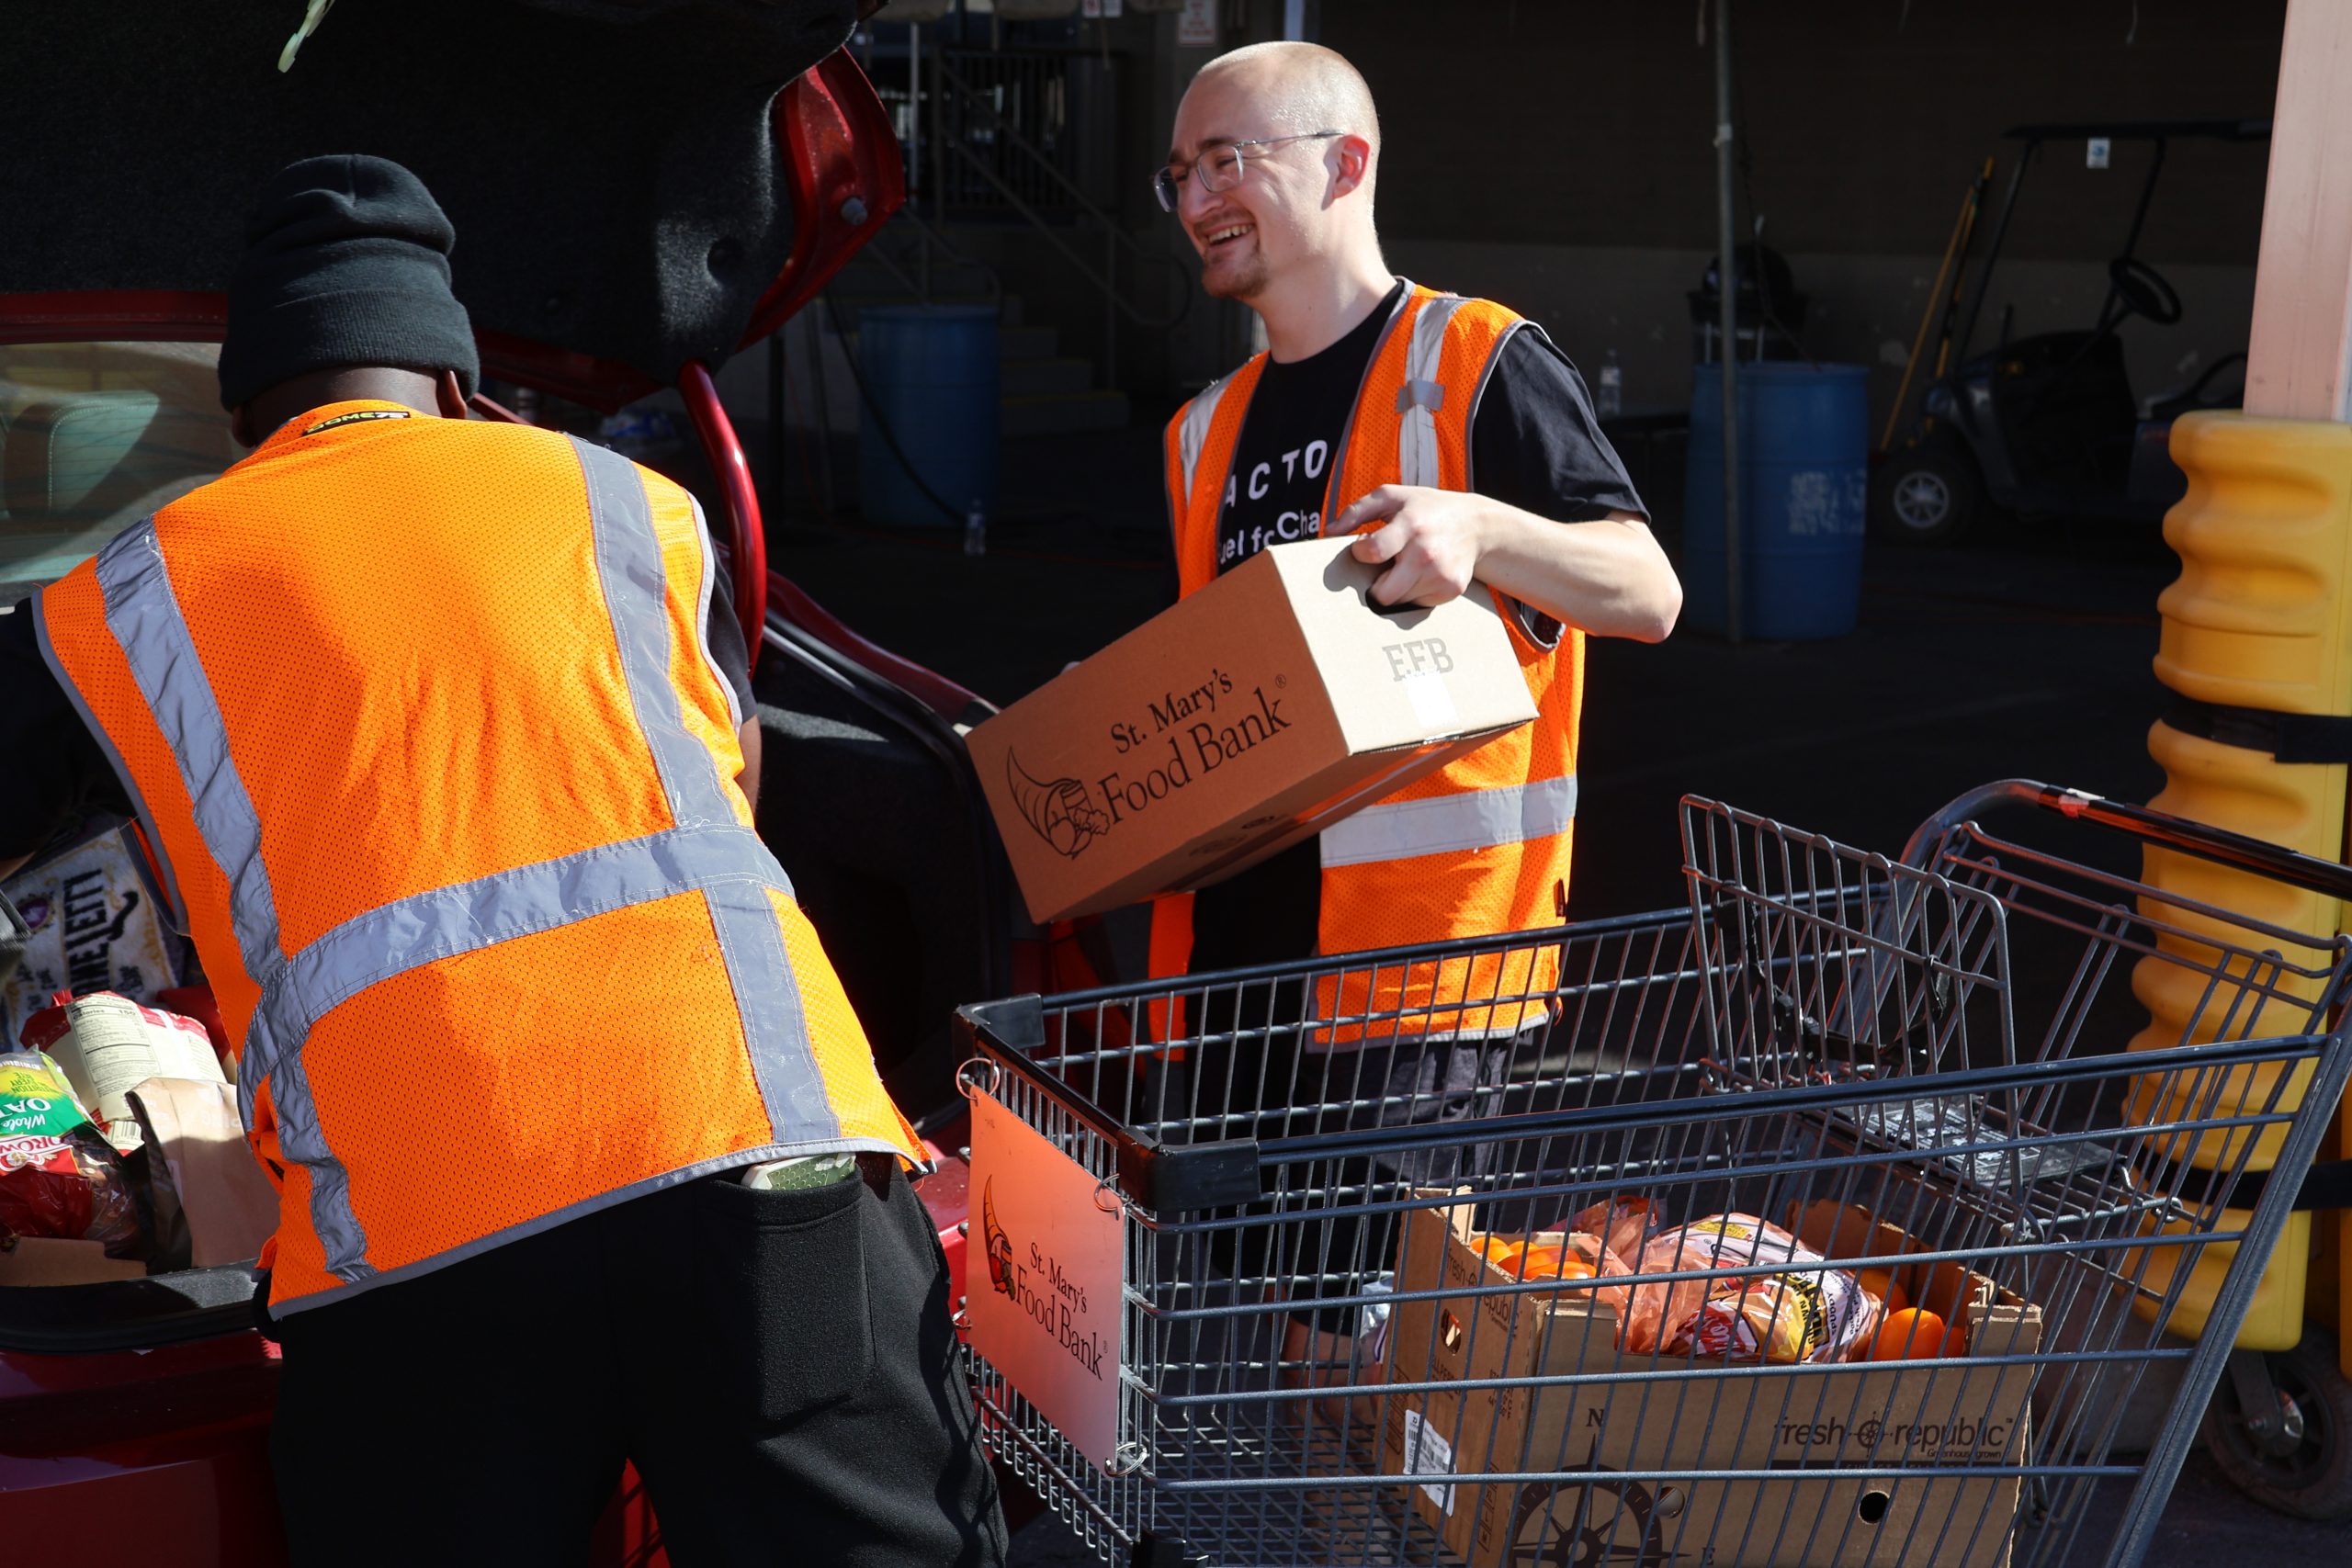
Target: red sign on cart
[1046,1309]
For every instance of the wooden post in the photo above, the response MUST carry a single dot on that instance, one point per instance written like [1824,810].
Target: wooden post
[2298,356]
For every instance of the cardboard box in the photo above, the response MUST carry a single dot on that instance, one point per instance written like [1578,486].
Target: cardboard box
[53,1260]
[1698,1416]
[1263,708]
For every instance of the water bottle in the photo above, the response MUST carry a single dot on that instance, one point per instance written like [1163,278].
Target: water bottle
[976,530]
[1609,401]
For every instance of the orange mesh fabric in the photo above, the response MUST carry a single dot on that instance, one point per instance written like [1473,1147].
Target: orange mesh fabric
[485,1090]
[1429,897]
[458,708]
[1195,519]
[403,624]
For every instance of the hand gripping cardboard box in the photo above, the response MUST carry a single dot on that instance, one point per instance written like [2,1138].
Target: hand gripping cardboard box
[1266,707]
[1695,1417]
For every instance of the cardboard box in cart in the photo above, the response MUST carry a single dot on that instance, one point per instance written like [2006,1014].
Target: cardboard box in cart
[1266,707]
[1720,1415]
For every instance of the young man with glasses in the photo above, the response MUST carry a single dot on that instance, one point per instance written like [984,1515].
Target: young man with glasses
[1461,445]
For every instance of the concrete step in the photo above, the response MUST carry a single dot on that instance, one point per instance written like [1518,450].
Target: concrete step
[1062,413]
[1028,343]
[1039,378]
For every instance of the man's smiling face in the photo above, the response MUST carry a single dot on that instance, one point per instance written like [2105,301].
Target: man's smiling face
[1248,234]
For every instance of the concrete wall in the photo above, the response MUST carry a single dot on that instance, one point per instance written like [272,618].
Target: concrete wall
[1558,156]
[1591,122]
[1578,181]
[1865,308]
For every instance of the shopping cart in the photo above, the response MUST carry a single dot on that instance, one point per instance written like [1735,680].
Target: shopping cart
[1832,1073]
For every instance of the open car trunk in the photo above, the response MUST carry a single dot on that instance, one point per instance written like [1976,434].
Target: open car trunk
[641,188]
[612,167]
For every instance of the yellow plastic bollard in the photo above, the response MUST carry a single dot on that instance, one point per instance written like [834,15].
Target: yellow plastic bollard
[2260,623]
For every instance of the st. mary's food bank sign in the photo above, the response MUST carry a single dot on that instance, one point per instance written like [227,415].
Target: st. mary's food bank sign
[1043,1297]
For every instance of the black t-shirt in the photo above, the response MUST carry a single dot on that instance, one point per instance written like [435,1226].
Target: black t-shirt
[1535,444]
[53,772]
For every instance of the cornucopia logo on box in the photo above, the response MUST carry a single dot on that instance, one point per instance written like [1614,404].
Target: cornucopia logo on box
[1189,738]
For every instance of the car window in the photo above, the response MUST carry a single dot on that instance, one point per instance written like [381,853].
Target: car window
[92,437]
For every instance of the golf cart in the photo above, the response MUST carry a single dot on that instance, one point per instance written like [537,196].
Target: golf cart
[2048,424]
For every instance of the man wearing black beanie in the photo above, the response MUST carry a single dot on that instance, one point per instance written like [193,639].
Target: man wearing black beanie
[347,268]
[434,736]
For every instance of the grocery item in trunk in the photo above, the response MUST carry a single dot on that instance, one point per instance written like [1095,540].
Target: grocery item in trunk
[58,1178]
[109,1044]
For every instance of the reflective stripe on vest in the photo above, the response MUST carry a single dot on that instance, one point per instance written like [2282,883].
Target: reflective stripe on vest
[707,852]
[1199,415]
[144,616]
[1422,394]
[1384,880]
[1445,824]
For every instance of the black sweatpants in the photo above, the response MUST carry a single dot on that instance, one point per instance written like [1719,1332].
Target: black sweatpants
[780,1367]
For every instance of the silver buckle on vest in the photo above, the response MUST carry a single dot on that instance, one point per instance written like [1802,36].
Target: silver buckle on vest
[1428,395]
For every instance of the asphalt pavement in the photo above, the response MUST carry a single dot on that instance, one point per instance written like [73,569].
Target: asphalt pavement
[2024,653]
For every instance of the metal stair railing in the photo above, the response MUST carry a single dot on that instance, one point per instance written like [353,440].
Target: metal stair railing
[928,239]
[947,81]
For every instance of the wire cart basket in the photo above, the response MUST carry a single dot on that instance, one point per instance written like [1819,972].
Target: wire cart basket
[1587,1246]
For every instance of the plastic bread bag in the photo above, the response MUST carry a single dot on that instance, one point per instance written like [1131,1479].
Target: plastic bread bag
[58,1177]
[1623,1224]
[1772,1312]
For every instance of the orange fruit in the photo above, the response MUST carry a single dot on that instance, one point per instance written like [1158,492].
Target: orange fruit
[1880,1282]
[1503,1252]
[1917,1335]
[1551,1260]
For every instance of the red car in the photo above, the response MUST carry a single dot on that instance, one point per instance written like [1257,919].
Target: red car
[641,187]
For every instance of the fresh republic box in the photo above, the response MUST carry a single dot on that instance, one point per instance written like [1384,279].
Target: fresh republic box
[1697,1416]
[1263,708]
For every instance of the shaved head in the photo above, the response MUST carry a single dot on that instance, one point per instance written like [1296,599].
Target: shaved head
[1302,86]
[1270,169]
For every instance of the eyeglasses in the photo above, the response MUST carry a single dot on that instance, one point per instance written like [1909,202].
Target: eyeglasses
[1220,168]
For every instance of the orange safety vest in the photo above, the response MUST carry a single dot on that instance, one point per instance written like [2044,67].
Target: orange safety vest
[438,774]
[1481,846]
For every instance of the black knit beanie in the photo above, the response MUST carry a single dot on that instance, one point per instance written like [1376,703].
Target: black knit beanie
[347,266]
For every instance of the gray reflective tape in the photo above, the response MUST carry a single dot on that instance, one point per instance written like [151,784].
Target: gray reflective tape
[144,615]
[469,916]
[1474,819]
[175,902]
[628,560]
[1199,415]
[1416,450]
[767,996]
[629,563]
[703,602]
[1428,395]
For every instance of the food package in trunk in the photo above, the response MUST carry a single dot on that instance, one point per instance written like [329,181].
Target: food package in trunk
[58,1178]
[108,1045]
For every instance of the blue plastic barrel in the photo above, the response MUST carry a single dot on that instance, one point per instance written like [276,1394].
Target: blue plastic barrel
[1804,484]
[931,371]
